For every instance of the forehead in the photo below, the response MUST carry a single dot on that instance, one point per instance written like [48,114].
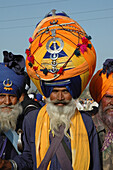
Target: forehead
[60,88]
[6,94]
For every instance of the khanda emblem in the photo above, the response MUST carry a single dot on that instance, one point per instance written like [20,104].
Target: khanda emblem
[53,48]
[8,84]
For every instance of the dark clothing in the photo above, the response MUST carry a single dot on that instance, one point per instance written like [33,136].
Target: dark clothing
[106,151]
[29,104]
[7,150]
[28,158]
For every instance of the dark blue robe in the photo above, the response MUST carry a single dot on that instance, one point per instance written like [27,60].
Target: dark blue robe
[28,158]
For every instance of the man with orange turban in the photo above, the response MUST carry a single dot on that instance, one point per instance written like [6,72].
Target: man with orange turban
[60,61]
[101,89]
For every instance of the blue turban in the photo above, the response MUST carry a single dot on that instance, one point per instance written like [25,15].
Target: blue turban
[73,85]
[12,79]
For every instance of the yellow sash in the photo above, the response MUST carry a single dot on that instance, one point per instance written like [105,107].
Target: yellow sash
[79,140]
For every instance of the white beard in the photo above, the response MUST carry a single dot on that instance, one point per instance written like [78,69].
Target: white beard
[107,119]
[8,119]
[60,115]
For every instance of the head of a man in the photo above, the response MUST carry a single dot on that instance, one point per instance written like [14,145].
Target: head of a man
[106,110]
[10,109]
[7,100]
[12,83]
[101,89]
[60,107]
[60,65]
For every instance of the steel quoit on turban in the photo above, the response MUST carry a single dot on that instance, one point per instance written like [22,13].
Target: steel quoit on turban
[60,54]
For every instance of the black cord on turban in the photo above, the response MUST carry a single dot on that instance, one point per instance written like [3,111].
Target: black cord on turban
[14,62]
[107,67]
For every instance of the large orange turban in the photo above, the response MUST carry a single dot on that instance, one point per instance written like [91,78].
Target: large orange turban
[60,50]
[102,83]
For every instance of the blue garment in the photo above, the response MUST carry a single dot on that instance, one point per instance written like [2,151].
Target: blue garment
[28,157]
[7,151]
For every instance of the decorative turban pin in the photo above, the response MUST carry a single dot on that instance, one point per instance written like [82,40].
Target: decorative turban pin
[12,79]
[59,50]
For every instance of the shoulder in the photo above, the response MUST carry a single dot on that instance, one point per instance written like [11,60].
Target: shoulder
[86,117]
[87,121]
[31,117]
[29,105]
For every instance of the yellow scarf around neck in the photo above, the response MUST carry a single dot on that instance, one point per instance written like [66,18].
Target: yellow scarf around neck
[79,140]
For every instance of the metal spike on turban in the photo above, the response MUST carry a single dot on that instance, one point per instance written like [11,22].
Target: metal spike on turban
[60,51]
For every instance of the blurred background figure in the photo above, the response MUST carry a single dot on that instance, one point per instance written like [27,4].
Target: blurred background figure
[101,89]
[12,85]
[28,100]
[40,99]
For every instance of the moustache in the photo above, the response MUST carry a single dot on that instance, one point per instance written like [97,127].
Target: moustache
[107,108]
[65,102]
[8,106]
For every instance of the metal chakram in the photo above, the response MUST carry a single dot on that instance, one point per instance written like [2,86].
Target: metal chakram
[9,83]
[54,52]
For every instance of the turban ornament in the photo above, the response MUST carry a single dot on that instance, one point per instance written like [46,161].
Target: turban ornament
[60,50]
[12,79]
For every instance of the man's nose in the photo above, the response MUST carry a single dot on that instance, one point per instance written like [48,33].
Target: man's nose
[60,96]
[7,100]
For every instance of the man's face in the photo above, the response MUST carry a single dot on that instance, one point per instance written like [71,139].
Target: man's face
[107,110]
[60,107]
[7,100]
[60,95]
[107,104]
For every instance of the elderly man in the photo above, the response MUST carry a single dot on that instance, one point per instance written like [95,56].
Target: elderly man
[60,61]
[101,89]
[12,85]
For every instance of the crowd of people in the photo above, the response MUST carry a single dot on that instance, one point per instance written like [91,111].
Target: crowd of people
[55,129]
[86,104]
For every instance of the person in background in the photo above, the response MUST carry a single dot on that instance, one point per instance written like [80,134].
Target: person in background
[40,99]
[28,103]
[60,61]
[101,89]
[12,83]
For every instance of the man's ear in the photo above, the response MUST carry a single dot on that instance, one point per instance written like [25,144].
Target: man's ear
[21,97]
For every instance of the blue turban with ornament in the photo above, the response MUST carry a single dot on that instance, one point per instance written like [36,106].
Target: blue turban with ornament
[12,79]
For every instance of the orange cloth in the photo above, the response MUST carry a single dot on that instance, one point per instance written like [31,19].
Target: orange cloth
[59,41]
[100,85]
[79,139]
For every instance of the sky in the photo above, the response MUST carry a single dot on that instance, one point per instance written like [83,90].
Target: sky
[19,18]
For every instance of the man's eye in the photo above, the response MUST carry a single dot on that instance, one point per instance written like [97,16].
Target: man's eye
[65,91]
[2,95]
[55,91]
